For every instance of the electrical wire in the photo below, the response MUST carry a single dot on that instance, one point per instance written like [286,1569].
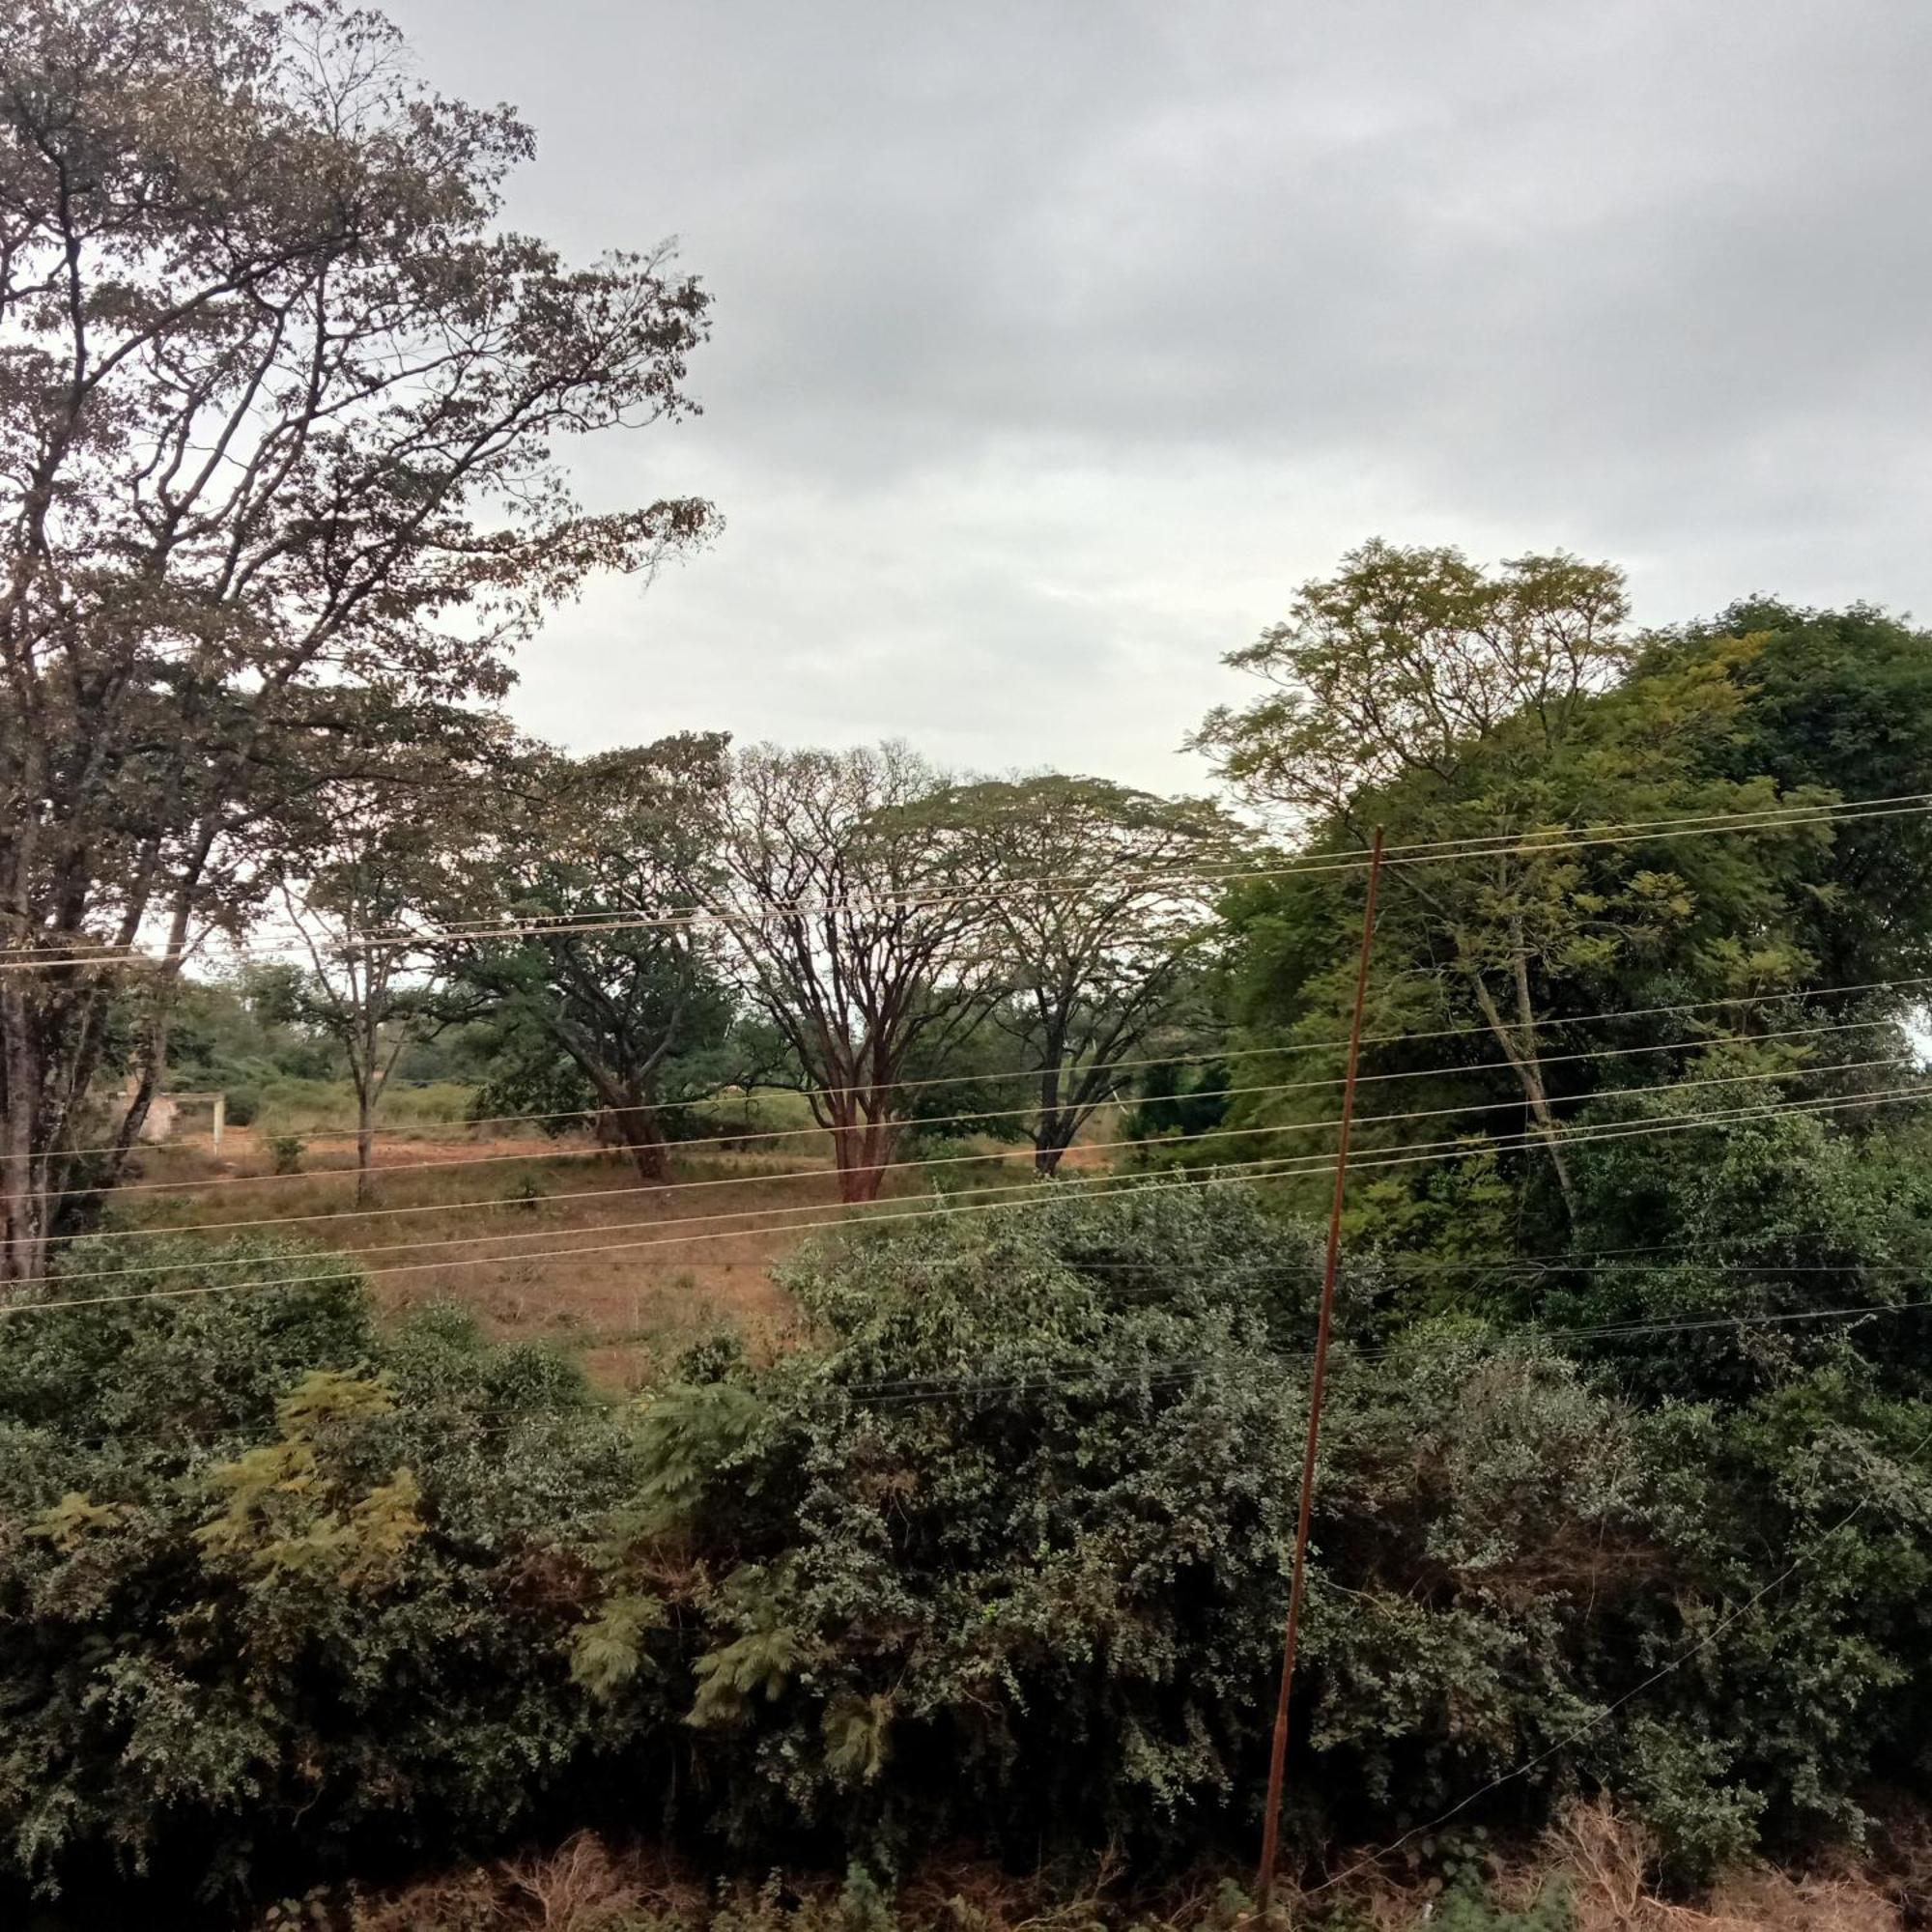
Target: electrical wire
[1016,1153]
[1425,852]
[1609,1709]
[1232,1173]
[763,1178]
[1292,1047]
[736,1141]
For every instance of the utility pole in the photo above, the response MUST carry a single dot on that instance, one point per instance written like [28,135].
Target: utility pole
[1318,1382]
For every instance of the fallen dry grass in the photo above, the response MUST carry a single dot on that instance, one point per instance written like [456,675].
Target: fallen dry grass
[1604,1863]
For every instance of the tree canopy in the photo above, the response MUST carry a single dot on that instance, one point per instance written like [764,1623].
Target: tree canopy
[280,425]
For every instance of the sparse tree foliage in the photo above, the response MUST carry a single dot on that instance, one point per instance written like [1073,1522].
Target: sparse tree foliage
[370,859]
[1403,659]
[279,416]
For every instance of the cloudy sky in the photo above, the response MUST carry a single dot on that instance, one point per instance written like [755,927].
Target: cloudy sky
[1055,342]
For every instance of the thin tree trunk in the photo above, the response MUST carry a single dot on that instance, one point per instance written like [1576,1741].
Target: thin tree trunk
[1521,1053]
[155,1044]
[23,1207]
[1054,1132]
[365,1140]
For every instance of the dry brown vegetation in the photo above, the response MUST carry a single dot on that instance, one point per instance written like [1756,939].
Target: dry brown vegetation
[1600,1859]
[1603,1862]
[544,1238]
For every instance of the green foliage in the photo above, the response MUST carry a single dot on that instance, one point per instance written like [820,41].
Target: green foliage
[272,1581]
[1005,1554]
[1002,1555]
[1840,699]
[285,1512]
[1512,702]
[237,1034]
[636,1020]
[1178,1099]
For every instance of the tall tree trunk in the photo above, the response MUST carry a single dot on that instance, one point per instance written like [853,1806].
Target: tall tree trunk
[641,1132]
[154,1051]
[1055,1128]
[365,1141]
[860,1151]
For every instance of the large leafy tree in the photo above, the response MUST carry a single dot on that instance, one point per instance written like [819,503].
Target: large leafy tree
[1841,699]
[1103,914]
[580,897]
[860,916]
[1452,705]
[278,421]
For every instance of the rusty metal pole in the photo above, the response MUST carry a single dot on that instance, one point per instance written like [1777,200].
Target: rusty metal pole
[1317,1381]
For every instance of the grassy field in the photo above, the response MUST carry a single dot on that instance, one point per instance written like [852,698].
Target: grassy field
[552,1238]
[325,1109]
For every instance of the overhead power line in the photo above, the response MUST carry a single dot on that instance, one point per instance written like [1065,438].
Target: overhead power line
[953,1160]
[1233,1173]
[736,1141]
[1427,852]
[1466,1031]
[762,1178]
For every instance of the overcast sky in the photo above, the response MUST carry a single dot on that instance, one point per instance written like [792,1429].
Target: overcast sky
[1055,343]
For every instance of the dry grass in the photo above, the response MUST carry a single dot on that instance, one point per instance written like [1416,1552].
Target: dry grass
[1605,1860]
[520,1234]
[1599,1858]
[544,1238]
[1607,1856]
[584,1886]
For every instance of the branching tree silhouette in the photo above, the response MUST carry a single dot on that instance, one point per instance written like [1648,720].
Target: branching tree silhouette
[277,468]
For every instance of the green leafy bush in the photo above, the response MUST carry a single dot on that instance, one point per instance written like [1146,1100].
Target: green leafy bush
[1001,1556]
[274,1585]
[1004,1555]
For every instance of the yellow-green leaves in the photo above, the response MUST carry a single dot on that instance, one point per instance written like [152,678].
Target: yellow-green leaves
[75,1517]
[609,1651]
[290,1513]
[856,1735]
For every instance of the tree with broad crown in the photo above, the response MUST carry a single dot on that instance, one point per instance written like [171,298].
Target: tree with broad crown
[601,861]
[859,915]
[279,403]
[1450,703]
[1105,913]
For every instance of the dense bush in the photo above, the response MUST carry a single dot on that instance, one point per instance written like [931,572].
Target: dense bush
[273,1582]
[999,1557]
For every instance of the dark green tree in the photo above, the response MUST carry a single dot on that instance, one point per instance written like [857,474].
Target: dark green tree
[582,890]
[1452,704]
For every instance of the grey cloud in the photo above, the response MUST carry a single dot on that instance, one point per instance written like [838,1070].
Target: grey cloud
[1056,343]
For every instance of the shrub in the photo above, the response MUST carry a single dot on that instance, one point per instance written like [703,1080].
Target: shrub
[1004,1556]
[1001,1557]
[274,1582]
